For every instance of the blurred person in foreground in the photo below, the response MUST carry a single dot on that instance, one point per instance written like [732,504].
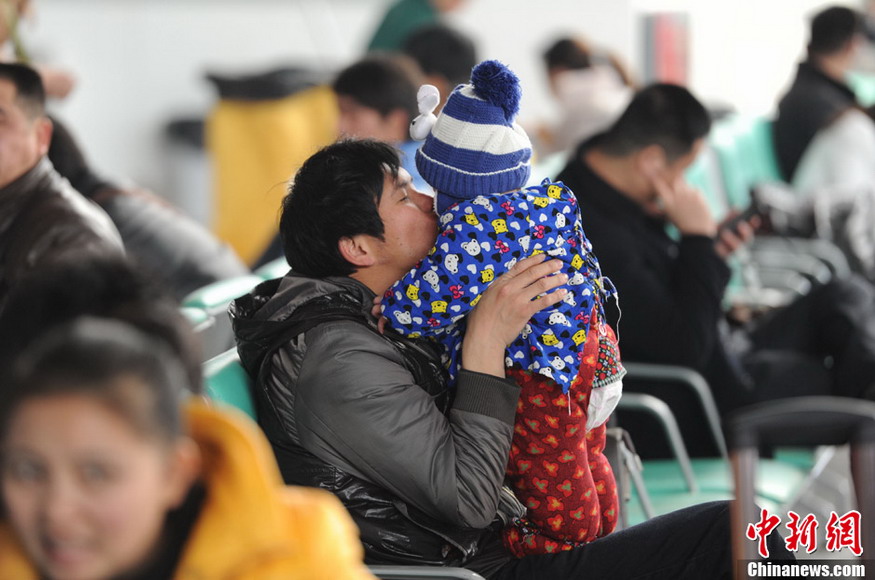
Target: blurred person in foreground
[104,474]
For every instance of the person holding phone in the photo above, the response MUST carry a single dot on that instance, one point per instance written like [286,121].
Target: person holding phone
[629,181]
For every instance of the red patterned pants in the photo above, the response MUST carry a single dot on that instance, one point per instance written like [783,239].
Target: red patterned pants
[557,469]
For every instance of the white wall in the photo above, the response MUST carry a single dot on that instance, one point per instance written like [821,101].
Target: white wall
[141,62]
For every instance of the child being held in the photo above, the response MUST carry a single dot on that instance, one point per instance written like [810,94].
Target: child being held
[477,159]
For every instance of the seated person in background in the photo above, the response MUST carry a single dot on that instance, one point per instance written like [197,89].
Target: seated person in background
[168,244]
[173,247]
[104,287]
[591,89]
[445,55]
[369,416]
[629,182]
[377,100]
[840,157]
[103,476]
[42,219]
[477,160]
[58,82]
[819,94]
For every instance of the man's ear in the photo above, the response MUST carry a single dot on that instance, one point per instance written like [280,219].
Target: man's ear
[358,250]
[650,159]
[43,127]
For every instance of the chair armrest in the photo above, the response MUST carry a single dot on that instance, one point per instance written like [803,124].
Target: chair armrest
[824,250]
[811,267]
[414,572]
[688,378]
[658,409]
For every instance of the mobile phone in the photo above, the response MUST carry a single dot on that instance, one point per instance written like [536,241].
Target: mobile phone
[750,212]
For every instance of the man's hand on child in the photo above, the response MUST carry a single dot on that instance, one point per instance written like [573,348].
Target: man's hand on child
[378,314]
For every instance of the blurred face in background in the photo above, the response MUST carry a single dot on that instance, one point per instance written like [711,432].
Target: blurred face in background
[23,140]
[360,122]
[86,493]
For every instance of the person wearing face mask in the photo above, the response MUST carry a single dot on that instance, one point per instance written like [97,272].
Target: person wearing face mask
[104,476]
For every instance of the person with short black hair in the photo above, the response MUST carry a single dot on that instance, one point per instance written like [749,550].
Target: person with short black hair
[376,97]
[819,94]
[630,184]
[445,55]
[104,475]
[101,286]
[44,219]
[662,115]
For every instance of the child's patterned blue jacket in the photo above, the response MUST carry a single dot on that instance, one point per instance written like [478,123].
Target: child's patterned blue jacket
[481,239]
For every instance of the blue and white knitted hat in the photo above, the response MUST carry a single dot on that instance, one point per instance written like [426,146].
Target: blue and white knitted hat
[475,147]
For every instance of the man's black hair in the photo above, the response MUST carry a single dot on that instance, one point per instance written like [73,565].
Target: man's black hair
[29,90]
[443,51]
[103,287]
[383,82]
[567,53]
[335,194]
[660,114]
[832,29]
[93,357]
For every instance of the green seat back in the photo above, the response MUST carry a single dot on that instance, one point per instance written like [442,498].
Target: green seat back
[762,146]
[701,176]
[216,297]
[863,85]
[746,152]
[724,139]
[226,381]
[198,318]
[273,269]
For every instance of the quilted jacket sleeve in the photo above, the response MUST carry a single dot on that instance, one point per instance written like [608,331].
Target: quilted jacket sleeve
[358,407]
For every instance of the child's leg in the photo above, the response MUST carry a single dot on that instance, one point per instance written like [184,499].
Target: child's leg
[603,479]
[549,467]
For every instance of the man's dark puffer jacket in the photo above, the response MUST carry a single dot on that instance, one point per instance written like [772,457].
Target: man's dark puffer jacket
[357,413]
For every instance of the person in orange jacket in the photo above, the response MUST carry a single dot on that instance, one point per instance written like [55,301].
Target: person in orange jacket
[103,475]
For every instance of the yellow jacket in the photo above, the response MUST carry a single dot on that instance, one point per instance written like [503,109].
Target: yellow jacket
[250,526]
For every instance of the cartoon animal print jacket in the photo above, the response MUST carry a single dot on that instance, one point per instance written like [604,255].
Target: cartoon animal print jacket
[483,238]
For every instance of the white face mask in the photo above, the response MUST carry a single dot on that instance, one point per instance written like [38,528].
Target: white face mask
[602,403]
